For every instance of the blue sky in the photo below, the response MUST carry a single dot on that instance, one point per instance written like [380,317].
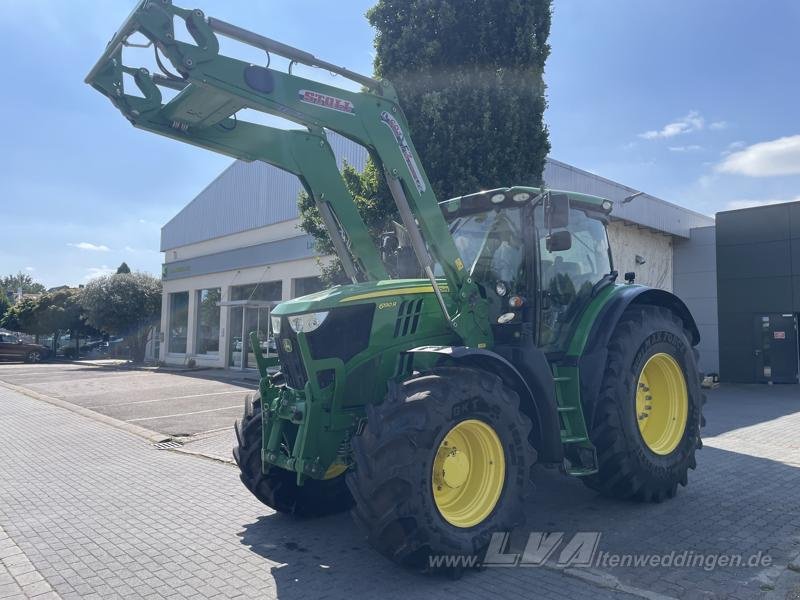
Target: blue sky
[695,102]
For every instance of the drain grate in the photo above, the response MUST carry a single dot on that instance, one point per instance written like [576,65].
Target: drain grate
[168,445]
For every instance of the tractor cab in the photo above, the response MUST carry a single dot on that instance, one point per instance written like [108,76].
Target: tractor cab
[538,257]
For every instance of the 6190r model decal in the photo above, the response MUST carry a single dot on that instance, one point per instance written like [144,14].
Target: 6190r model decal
[408,156]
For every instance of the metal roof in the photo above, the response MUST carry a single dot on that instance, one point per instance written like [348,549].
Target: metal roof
[645,210]
[247,195]
[251,195]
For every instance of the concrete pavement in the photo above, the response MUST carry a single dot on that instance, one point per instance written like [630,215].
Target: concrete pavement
[95,510]
[99,513]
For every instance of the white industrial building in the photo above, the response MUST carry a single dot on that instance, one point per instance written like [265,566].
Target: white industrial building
[236,250]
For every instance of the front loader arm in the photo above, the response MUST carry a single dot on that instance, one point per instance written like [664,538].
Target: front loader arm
[304,153]
[371,118]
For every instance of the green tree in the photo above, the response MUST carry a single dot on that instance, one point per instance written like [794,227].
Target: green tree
[23,316]
[13,283]
[123,268]
[469,76]
[5,304]
[125,304]
[50,314]
[372,198]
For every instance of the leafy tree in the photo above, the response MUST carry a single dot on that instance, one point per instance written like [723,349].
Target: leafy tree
[22,316]
[469,77]
[5,304]
[125,304]
[13,283]
[370,193]
[123,268]
[50,314]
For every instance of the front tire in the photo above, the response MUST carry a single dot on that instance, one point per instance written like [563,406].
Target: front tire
[443,463]
[277,488]
[646,424]
[34,356]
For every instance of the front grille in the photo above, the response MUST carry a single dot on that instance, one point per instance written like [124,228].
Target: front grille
[342,335]
[291,363]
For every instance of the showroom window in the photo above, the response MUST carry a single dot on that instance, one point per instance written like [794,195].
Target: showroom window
[178,322]
[207,333]
[306,285]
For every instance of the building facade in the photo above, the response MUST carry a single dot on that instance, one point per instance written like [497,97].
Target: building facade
[758,286]
[236,250]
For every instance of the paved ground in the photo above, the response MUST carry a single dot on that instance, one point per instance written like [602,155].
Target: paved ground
[176,404]
[92,508]
[98,513]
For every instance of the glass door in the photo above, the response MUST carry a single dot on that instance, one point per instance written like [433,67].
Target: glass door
[235,340]
[257,319]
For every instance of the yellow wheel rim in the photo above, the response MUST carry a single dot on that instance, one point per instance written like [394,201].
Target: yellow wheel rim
[334,471]
[662,403]
[468,473]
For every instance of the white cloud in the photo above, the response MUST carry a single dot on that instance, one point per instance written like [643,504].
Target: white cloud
[93,272]
[733,147]
[765,159]
[90,246]
[691,122]
[690,148]
[718,125]
[30,269]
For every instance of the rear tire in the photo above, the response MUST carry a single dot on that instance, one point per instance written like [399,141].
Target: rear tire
[277,488]
[33,357]
[401,479]
[636,463]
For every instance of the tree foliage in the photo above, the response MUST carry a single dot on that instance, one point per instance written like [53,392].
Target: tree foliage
[12,283]
[372,199]
[125,304]
[5,304]
[22,316]
[52,313]
[123,268]
[469,76]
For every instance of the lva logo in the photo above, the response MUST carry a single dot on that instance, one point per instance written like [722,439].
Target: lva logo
[578,551]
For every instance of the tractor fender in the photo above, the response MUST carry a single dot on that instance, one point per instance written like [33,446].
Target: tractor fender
[536,392]
[592,361]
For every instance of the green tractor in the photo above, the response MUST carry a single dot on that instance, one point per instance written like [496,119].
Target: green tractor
[485,335]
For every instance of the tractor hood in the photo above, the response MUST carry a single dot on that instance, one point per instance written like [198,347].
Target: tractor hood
[360,293]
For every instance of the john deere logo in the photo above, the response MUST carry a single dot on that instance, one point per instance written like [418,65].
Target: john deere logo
[287,345]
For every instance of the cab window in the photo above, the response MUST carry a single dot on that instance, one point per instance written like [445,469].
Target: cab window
[568,276]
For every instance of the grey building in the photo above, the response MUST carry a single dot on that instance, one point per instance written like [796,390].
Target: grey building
[758,286]
[236,250]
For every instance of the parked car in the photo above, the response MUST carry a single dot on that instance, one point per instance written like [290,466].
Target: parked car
[13,348]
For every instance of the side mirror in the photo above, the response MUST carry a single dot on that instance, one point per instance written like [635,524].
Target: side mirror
[558,241]
[557,211]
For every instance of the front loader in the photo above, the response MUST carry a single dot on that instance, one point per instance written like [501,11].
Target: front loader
[486,335]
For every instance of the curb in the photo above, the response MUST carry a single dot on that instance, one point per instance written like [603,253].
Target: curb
[150,436]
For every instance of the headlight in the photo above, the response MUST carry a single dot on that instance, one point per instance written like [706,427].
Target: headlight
[307,322]
[276,325]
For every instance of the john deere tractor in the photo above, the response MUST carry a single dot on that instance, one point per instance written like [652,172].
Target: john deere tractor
[484,335]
